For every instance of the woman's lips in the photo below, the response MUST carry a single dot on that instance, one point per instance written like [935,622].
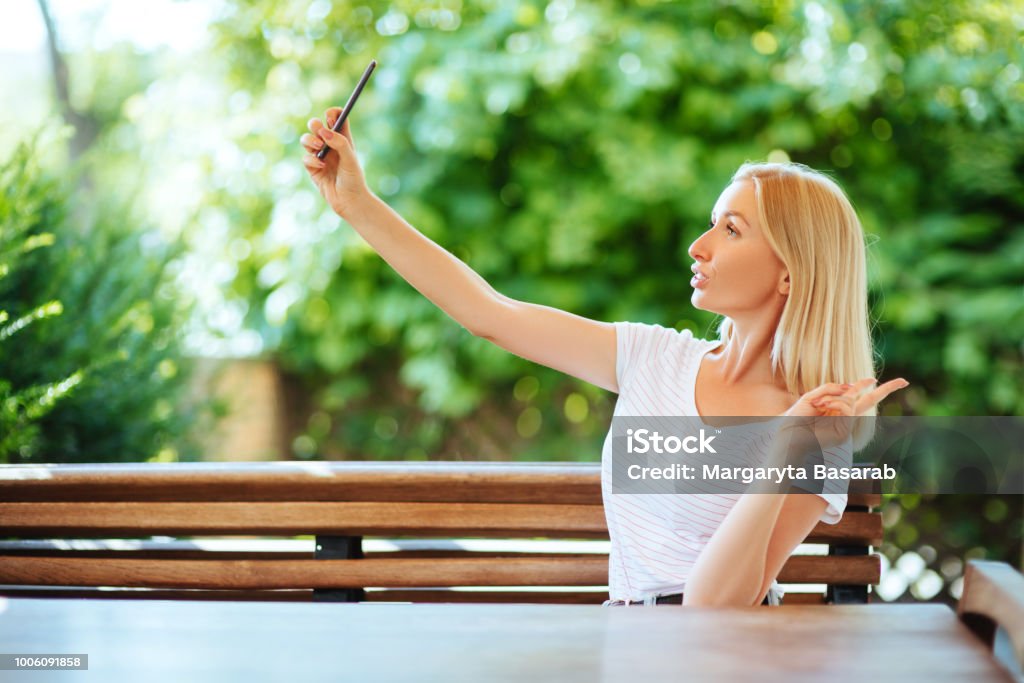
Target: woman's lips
[698,281]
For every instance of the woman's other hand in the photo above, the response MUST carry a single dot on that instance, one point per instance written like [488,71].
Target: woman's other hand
[844,399]
[338,176]
[841,401]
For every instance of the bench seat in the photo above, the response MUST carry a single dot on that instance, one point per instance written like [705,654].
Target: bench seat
[377,531]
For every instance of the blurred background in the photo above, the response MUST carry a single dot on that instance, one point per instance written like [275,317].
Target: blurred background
[172,287]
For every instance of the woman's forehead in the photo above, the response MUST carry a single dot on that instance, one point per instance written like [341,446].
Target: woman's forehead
[738,199]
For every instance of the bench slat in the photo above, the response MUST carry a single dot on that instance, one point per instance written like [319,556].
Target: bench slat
[582,570]
[293,518]
[107,519]
[855,528]
[49,571]
[483,482]
[387,595]
[305,595]
[566,483]
[798,568]
[289,595]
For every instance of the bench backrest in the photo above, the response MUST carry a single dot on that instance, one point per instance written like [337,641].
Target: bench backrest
[405,531]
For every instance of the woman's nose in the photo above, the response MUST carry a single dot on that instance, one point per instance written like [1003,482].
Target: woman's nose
[698,249]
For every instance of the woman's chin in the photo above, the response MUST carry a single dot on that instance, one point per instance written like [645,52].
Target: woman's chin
[697,302]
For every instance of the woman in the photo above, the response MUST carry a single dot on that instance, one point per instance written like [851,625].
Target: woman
[785,345]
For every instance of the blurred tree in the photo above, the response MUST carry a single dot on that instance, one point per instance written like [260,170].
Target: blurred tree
[86,126]
[22,408]
[115,340]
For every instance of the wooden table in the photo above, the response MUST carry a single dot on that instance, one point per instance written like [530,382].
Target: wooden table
[152,641]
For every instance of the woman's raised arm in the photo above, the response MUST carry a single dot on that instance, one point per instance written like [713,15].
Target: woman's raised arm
[569,343]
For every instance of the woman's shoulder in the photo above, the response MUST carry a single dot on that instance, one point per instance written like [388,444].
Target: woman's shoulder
[654,333]
[646,345]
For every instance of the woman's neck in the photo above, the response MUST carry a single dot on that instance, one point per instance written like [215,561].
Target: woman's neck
[745,358]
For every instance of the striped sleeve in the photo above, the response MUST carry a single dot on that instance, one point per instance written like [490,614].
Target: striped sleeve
[640,344]
[833,492]
[836,506]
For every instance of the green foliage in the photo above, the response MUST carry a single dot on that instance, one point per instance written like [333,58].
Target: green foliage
[929,538]
[21,411]
[570,153]
[94,373]
[22,408]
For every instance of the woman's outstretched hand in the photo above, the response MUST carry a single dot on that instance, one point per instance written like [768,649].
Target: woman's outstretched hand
[338,176]
[844,399]
[840,401]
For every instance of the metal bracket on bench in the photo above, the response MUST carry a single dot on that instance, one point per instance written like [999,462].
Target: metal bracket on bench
[842,593]
[847,594]
[339,548]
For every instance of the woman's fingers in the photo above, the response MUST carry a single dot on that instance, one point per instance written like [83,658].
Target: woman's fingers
[330,118]
[320,131]
[850,391]
[829,389]
[844,405]
[312,164]
[312,143]
[863,384]
[831,395]
[342,144]
[874,397]
[832,406]
[845,400]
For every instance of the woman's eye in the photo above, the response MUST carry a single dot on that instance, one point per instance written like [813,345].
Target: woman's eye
[729,228]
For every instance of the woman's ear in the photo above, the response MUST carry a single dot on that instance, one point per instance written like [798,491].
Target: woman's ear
[784,285]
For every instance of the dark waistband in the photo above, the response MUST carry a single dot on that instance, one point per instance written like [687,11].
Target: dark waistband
[677,599]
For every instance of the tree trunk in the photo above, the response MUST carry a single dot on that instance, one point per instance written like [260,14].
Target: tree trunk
[86,127]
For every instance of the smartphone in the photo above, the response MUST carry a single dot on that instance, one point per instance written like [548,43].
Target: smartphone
[348,105]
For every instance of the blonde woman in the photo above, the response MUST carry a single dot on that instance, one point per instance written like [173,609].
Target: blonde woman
[782,260]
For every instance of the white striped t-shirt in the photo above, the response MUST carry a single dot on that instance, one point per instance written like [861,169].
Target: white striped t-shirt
[656,538]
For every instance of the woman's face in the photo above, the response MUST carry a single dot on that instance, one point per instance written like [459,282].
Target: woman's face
[743,274]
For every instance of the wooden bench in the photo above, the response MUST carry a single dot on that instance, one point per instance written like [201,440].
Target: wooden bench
[351,531]
[992,607]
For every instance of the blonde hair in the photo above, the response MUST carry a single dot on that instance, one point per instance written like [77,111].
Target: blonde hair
[824,332]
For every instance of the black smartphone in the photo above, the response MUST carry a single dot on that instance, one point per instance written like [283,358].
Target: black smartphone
[348,105]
